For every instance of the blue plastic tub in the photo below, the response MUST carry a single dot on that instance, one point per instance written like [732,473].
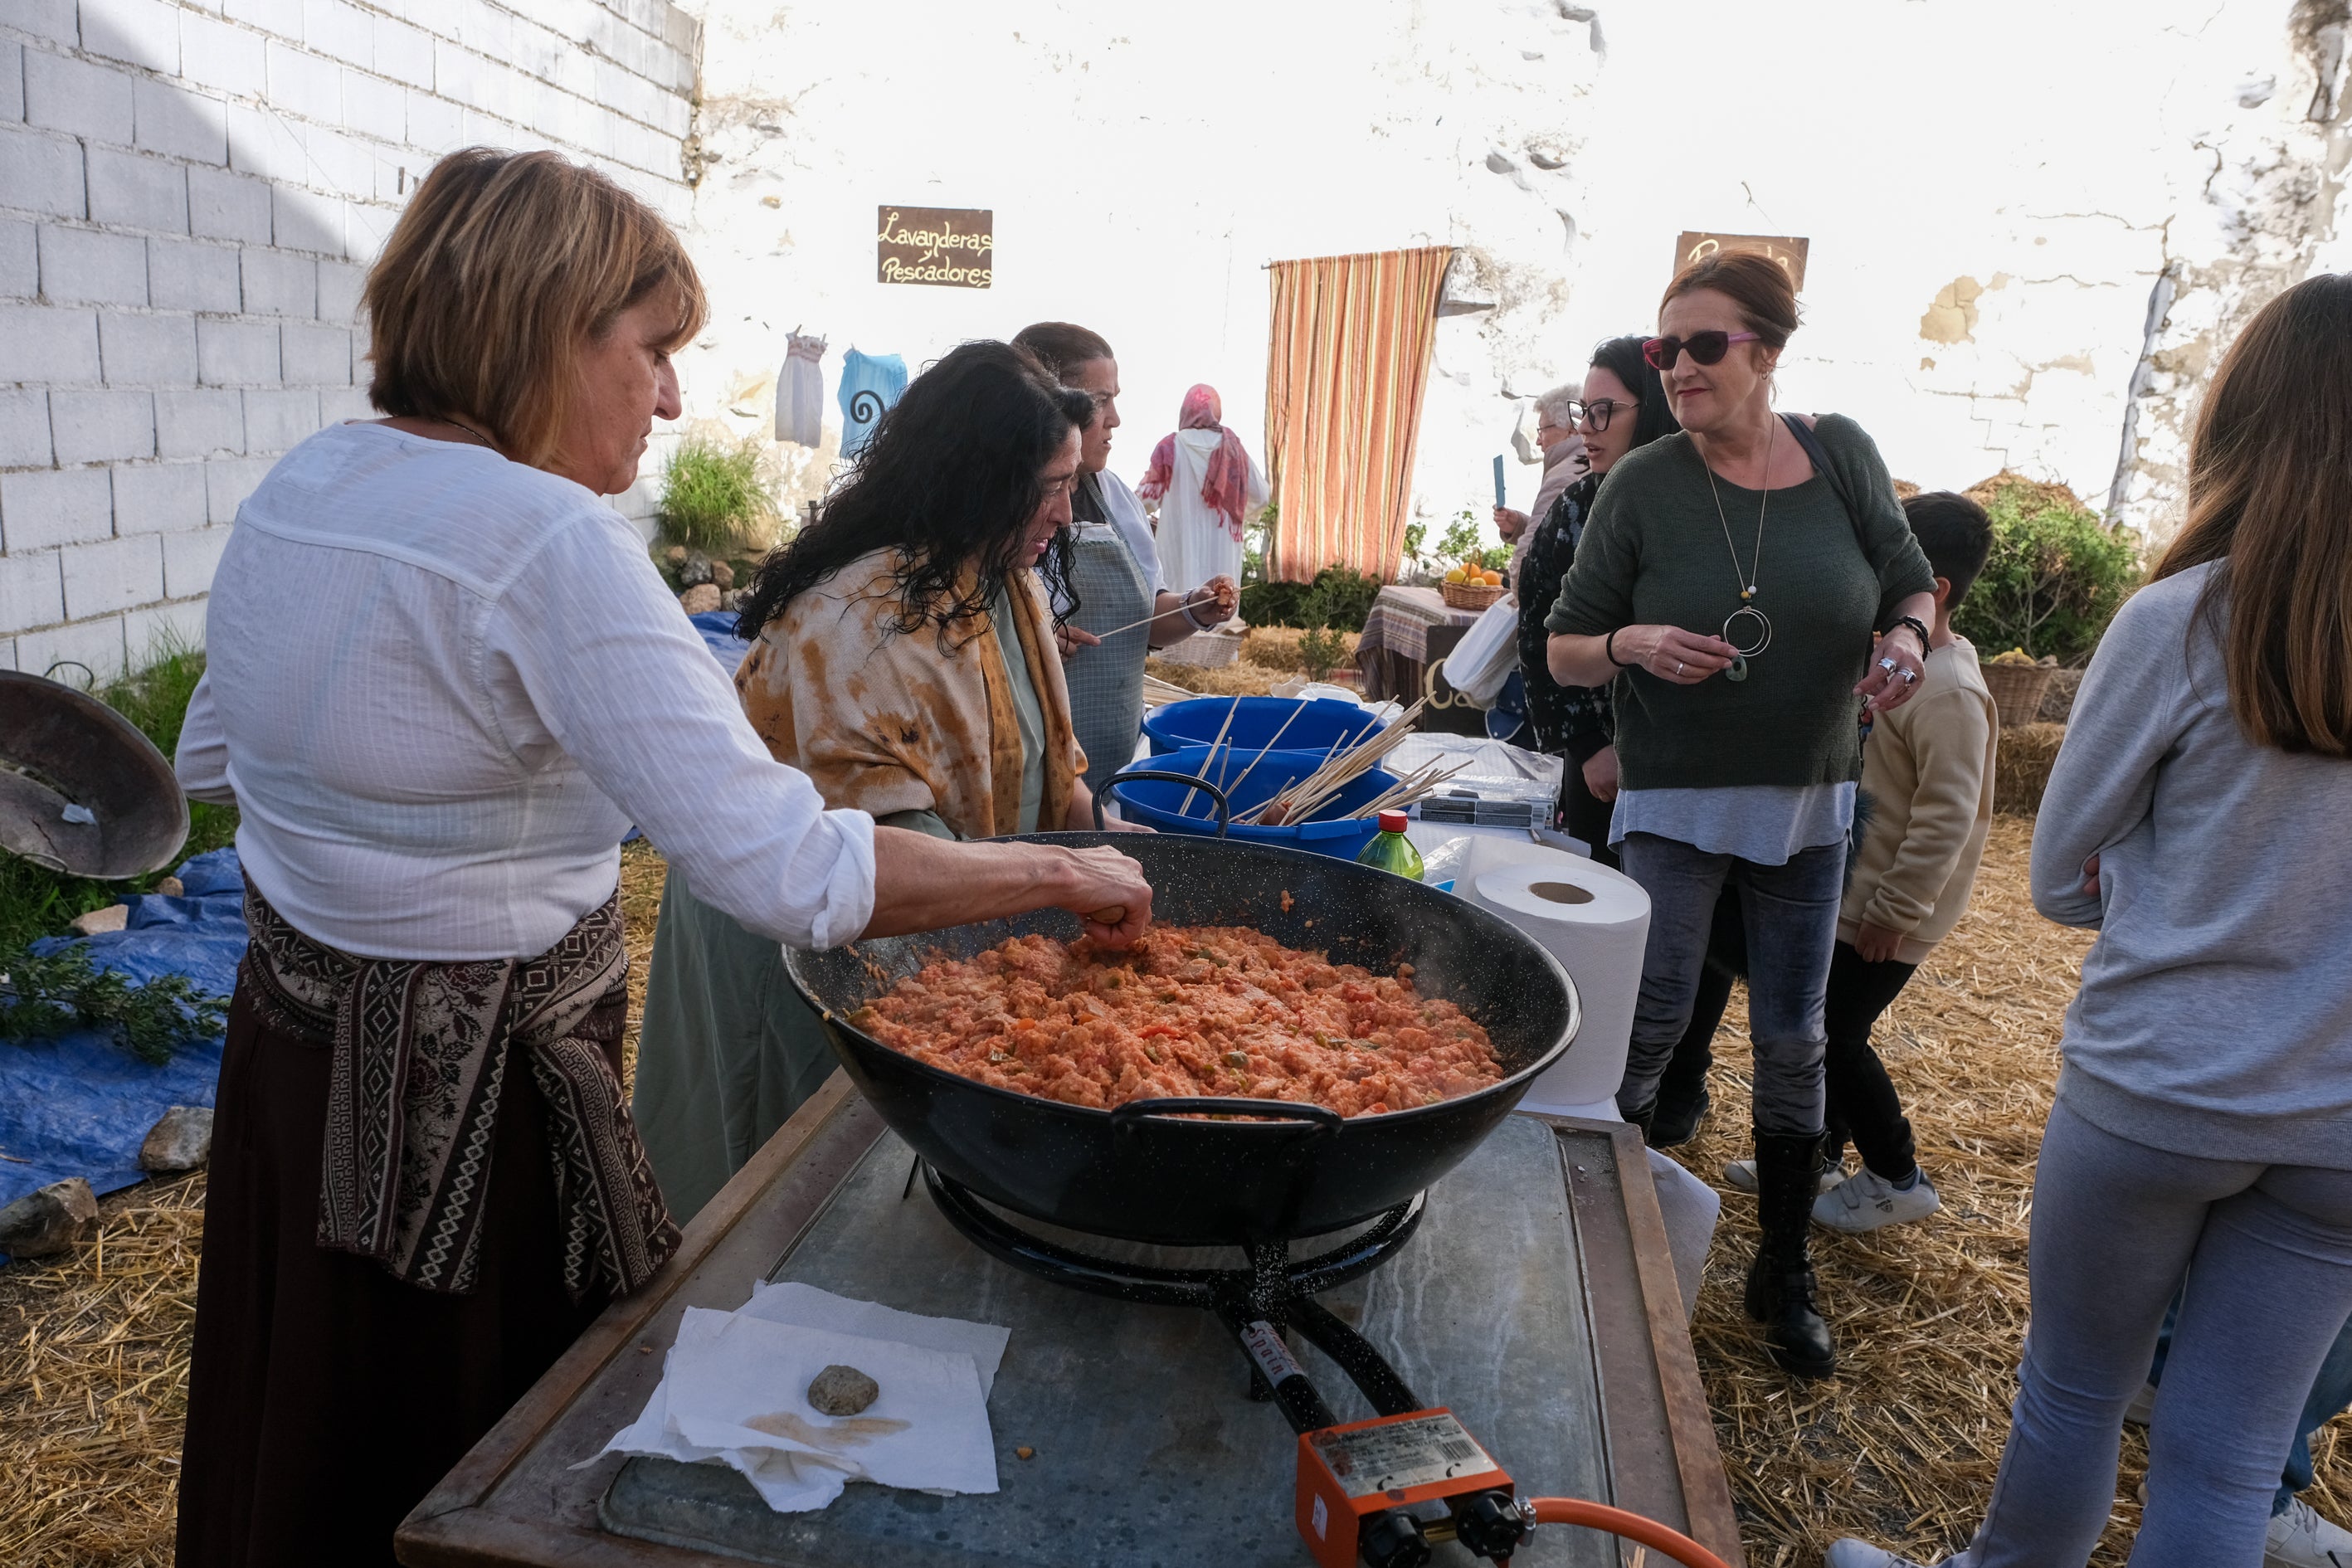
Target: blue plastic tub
[1154,801]
[1255,722]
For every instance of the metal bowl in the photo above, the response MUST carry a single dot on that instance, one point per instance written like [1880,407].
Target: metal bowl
[81,790]
[1263,1170]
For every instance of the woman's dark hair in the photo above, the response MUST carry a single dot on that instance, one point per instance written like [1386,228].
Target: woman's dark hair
[1061,346]
[1956,536]
[948,476]
[1758,285]
[1653,416]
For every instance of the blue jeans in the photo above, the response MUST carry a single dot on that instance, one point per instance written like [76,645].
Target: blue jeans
[1790,914]
[2267,1254]
[2330,1396]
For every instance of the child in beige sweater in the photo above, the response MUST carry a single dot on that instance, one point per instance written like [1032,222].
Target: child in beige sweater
[1927,780]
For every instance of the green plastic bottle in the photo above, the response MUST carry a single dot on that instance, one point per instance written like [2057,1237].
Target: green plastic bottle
[1391,850]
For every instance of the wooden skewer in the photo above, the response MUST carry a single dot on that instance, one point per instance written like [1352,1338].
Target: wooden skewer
[1270,745]
[1157,613]
[1185,807]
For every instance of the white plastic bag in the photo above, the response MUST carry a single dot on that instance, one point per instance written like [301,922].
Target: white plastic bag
[1487,653]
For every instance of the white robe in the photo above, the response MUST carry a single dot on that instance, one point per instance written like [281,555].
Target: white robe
[1195,543]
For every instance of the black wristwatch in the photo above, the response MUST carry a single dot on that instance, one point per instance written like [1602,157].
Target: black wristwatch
[1913,622]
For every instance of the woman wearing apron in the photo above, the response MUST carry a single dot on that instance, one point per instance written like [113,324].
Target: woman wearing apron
[1114,574]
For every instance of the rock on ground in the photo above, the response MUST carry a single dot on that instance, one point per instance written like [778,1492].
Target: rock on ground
[701,599]
[182,1140]
[55,1218]
[111,917]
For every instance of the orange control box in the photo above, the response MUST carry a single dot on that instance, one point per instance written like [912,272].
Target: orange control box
[1346,1474]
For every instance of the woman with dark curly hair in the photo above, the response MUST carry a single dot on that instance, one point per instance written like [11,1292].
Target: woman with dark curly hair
[902,657]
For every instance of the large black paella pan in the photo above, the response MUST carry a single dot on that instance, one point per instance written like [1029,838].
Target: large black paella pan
[1270,1172]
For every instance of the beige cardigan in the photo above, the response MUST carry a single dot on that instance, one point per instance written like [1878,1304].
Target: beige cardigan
[1927,770]
[884,720]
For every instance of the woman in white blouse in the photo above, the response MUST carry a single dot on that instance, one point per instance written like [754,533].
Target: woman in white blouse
[444,679]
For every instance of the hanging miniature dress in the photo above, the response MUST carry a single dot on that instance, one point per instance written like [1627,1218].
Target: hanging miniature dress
[870,383]
[800,392]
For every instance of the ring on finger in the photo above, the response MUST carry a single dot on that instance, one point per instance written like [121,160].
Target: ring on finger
[1678,666]
[1888,664]
[1909,675]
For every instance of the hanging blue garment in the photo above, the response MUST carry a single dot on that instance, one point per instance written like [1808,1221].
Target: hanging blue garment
[870,383]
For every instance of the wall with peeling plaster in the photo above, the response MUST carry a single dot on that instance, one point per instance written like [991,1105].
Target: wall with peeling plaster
[1995,191]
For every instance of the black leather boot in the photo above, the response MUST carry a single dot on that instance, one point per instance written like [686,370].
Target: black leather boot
[1781,1284]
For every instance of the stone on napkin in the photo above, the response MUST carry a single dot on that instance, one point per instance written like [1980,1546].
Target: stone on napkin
[735,1390]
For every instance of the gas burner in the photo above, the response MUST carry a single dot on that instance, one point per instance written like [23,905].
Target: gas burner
[1381,1491]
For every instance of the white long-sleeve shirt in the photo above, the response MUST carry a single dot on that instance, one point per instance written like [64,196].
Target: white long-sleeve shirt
[440,685]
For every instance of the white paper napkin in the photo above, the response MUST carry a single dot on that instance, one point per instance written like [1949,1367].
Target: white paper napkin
[734,1391]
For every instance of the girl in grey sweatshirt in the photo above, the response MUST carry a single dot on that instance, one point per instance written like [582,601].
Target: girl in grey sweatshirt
[2199,818]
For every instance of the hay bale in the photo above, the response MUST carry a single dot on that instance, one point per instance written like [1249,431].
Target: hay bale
[1240,679]
[2020,768]
[2045,494]
[2058,697]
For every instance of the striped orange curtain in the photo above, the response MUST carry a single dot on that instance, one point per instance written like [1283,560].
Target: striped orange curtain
[1344,380]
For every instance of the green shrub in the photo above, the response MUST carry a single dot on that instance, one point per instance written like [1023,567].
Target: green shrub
[2056,576]
[713,499]
[1339,599]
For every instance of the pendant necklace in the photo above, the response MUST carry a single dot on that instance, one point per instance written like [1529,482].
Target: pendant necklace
[1753,623]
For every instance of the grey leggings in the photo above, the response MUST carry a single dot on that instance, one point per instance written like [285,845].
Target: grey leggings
[2267,1250]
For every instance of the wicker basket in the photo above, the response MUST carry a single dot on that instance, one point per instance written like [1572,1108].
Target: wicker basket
[1204,650]
[2017,690]
[1466,597]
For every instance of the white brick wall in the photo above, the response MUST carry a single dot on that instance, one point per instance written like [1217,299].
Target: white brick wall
[190,192]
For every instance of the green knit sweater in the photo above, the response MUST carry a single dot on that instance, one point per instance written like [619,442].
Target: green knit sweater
[1654,553]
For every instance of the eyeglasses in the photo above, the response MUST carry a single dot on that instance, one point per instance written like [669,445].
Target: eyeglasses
[1596,413]
[1705,348]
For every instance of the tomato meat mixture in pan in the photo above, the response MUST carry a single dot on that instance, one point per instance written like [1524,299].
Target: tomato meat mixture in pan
[1188,1010]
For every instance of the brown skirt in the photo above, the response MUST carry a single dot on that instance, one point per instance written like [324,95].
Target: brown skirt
[326,1398]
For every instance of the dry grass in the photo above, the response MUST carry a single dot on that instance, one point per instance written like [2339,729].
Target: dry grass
[96,1387]
[1240,679]
[1901,1446]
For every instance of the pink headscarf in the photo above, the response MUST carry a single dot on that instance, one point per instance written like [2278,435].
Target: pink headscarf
[1225,486]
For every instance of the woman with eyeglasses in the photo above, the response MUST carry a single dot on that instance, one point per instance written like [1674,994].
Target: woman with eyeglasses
[1730,582]
[1622,407]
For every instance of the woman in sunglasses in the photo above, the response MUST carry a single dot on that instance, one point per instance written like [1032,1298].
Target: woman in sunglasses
[1729,582]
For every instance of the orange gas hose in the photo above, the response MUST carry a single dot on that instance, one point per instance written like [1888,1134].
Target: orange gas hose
[1631,1526]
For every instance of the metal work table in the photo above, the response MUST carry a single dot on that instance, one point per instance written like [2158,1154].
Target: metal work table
[1537,1301]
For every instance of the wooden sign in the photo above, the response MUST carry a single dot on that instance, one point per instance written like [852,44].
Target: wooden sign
[1789,252]
[949,248]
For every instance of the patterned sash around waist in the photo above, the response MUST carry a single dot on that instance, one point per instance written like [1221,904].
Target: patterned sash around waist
[421,1054]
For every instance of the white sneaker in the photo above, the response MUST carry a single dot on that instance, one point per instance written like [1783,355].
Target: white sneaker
[1852,1553]
[2142,1409]
[1741,1173]
[2301,1538]
[1866,1200]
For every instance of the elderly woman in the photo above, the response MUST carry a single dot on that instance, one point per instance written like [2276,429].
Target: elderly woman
[1118,605]
[444,679]
[1206,486]
[1565,461]
[1731,581]
[904,658]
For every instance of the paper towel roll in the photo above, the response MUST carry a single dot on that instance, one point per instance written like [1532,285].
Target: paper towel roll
[1596,922]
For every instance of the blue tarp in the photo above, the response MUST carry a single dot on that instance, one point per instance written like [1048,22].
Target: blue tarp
[79,1105]
[718,630]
